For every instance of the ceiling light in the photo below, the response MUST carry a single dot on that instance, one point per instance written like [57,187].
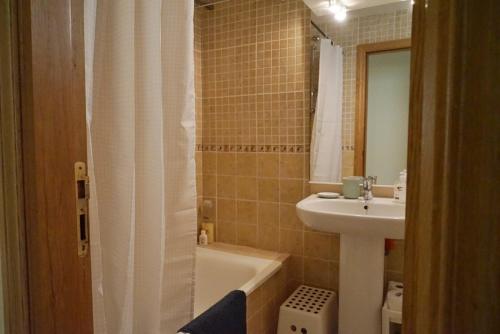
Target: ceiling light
[341,14]
[335,7]
[338,9]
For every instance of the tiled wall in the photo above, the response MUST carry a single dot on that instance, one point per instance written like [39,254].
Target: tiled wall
[255,96]
[198,111]
[253,156]
[264,302]
[391,25]
[255,76]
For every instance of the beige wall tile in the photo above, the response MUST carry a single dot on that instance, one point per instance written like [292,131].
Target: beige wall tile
[199,162]
[268,237]
[296,272]
[226,163]
[291,191]
[318,245]
[226,210]
[270,313]
[292,166]
[246,164]
[288,217]
[254,302]
[291,242]
[281,283]
[307,165]
[269,289]
[226,232]
[268,190]
[246,188]
[268,164]
[209,163]
[268,214]
[226,186]
[316,272]
[209,185]
[199,184]
[246,212]
[254,324]
[246,235]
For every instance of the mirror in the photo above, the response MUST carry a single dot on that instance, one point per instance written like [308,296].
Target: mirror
[359,100]
[382,110]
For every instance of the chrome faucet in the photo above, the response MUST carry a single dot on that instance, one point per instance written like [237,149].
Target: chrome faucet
[368,182]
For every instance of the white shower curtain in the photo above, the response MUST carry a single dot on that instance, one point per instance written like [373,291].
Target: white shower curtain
[326,142]
[140,115]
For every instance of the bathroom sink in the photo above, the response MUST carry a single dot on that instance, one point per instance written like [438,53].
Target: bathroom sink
[363,228]
[382,217]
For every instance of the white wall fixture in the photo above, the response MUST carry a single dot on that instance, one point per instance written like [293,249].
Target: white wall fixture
[325,8]
[338,9]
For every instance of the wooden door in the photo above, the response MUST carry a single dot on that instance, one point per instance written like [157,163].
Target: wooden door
[12,232]
[452,255]
[53,139]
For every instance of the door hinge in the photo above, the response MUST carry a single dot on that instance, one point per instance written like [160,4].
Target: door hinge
[82,207]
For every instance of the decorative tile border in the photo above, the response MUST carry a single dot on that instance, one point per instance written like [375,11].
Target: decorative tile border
[261,148]
[254,148]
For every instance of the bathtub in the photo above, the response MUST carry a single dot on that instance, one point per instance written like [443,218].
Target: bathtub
[220,270]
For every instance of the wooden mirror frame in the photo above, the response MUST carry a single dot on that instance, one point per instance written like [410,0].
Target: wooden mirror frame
[363,51]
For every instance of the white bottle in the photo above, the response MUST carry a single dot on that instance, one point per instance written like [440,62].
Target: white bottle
[203,240]
[402,186]
[396,190]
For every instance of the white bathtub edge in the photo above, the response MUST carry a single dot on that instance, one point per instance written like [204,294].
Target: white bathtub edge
[261,277]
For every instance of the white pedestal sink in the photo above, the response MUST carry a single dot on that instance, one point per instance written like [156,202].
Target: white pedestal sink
[362,232]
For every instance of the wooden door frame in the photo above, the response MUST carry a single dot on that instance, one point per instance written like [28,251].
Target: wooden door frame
[46,285]
[53,124]
[12,232]
[452,246]
[363,51]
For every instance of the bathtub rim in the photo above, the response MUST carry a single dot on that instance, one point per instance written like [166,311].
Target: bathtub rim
[276,262]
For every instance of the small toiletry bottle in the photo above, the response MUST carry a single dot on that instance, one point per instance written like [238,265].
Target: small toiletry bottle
[402,186]
[396,190]
[209,230]
[203,238]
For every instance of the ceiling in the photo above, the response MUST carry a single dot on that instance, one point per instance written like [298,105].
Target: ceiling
[320,7]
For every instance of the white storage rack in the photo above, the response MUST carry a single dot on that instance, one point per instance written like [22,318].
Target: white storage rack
[309,311]
[392,319]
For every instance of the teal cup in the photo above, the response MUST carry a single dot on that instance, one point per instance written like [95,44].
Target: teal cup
[351,186]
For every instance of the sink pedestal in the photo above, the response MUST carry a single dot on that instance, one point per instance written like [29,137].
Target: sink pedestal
[361,284]
[363,228]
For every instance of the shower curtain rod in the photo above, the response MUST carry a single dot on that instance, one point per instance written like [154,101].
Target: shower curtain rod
[320,31]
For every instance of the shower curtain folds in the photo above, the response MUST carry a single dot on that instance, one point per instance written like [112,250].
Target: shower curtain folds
[326,142]
[140,116]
